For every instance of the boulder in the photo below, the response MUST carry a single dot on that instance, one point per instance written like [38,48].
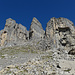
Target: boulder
[72,52]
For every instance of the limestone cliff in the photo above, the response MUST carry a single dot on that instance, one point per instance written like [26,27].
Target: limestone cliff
[36,31]
[13,33]
[59,34]
[38,52]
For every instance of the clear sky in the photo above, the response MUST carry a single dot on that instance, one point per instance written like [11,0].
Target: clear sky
[23,11]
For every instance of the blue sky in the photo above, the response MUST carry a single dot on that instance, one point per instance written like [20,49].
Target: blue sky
[23,11]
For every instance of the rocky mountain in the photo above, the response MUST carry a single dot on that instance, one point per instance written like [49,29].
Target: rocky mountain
[13,33]
[38,52]
[59,33]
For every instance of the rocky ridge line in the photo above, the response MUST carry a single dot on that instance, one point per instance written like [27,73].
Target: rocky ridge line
[59,34]
[52,46]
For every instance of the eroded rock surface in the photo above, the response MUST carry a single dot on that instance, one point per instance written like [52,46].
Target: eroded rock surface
[54,49]
[13,33]
[61,33]
[36,31]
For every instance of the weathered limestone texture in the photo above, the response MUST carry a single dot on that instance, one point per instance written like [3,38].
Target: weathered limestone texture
[61,32]
[13,33]
[36,31]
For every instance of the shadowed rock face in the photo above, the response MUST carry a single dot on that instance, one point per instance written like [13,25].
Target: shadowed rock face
[72,52]
[13,33]
[36,31]
[61,32]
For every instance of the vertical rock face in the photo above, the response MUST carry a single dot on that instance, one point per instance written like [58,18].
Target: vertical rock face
[61,32]
[36,31]
[13,33]
[4,37]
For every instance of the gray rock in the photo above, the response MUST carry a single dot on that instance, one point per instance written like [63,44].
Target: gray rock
[72,52]
[13,33]
[58,40]
[60,32]
[36,31]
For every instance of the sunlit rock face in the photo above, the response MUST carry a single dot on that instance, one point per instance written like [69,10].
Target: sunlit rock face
[36,31]
[61,33]
[13,33]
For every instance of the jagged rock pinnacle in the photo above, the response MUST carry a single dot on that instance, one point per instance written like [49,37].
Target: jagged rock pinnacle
[59,34]
[36,22]
[36,30]
[13,33]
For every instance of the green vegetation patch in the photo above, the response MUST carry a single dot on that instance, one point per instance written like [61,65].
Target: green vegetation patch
[67,70]
[17,49]
[47,57]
